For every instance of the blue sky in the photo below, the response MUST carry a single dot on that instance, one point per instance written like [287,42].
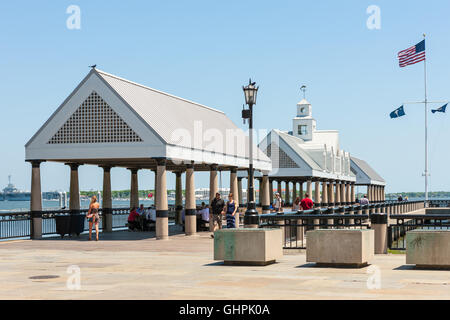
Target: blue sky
[206,50]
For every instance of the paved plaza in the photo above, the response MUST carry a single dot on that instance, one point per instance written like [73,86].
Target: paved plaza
[133,265]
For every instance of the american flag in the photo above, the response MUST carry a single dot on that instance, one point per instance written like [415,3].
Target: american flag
[412,55]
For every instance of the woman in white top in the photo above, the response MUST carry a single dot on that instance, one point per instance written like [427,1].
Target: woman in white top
[278,203]
[296,205]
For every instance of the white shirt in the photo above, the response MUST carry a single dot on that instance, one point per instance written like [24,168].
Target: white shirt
[150,214]
[278,203]
[205,214]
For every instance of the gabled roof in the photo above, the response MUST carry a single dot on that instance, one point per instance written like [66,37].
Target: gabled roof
[168,126]
[367,170]
[294,144]
[166,114]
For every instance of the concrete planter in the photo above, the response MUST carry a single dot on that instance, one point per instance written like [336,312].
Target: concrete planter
[340,247]
[248,246]
[428,248]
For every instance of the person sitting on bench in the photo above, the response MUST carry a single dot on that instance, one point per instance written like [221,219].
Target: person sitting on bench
[133,220]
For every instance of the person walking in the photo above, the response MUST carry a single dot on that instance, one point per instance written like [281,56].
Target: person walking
[93,217]
[306,203]
[217,206]
[231,212]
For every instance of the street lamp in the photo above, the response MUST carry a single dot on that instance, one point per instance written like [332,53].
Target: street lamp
[251,218]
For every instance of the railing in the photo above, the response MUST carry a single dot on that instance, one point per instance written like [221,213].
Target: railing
[400,224]
[295,224]
[17,224]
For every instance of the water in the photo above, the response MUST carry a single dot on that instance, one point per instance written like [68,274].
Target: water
[7,206]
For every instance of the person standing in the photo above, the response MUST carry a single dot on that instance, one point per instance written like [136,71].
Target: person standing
[231,212]
[278,203]
[364,200]
[306,203]
[93,217]
[217,206]
[296,204]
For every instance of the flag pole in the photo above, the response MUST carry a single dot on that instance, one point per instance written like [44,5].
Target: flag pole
[426,129]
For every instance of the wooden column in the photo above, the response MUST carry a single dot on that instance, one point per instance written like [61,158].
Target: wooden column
[162,207]
[178,198]
[271,191]
[74,203]
[190,211]
[36,201]
[294,190]
[287,195]
[309,188]
[213,189]
[107,200]
[265,192]
[317,198]
[134,189]
[241,199]
[324,194]
[234,190]
[353,198]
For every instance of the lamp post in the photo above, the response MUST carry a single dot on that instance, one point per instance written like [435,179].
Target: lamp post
[251,217]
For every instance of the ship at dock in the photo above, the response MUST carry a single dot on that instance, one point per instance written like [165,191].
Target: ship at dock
[11,193]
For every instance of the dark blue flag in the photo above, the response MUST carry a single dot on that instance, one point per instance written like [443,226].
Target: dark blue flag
[397,113]
[441,109]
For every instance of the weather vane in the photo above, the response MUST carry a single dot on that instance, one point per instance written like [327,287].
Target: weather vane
[303,89]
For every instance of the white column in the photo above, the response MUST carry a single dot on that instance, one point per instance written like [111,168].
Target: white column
[190,217]
[107,200]
[162,208]
[36,201]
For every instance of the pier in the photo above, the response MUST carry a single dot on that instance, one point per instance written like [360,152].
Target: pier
[135,266]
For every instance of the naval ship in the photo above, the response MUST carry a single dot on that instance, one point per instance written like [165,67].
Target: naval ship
[11,193]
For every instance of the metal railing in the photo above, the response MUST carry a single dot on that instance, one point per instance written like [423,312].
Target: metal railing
[17,224]
[296,224]
[400,224]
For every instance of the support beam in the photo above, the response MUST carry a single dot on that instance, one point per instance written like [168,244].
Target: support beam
[107,200]
[331,193]
[213,189]
[279,188]
[162,207]
[74,203]
[343,194]
[287,194]
[324,194]
[240,195]
[234,190]
[265,193]
[338,193]
[190,217]
[309,188]
[271,191]
[134,189]
[301,190]
[294,190]
[178,198]
[352,191]
[317,199]
[36,201]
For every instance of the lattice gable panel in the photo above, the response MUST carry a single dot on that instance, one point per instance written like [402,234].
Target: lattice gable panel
[94,122]
[280,159]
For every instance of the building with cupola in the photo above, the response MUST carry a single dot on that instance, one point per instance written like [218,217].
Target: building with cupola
[308,160]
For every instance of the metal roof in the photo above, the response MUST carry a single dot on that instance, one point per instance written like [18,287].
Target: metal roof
[294,143]
[167,114]
[364,166]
